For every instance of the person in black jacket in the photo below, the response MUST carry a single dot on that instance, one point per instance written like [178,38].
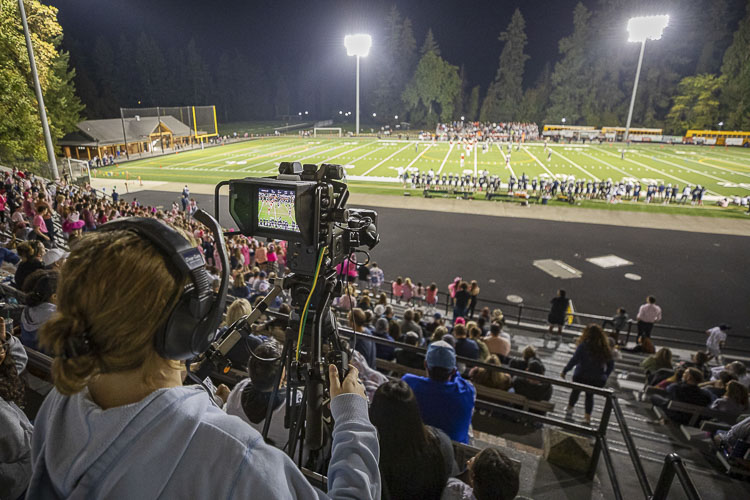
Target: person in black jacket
[557,312]
[687,391]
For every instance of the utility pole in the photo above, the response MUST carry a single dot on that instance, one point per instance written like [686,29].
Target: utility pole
[39,97]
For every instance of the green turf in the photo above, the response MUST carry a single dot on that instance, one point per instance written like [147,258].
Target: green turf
[723,171]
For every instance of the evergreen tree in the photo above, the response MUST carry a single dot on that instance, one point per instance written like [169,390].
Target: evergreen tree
[431,94]
[503,100]
[20,128]
[696,105]
[535,100]
[429,45]
[735,69]
[472,106]
[571,80]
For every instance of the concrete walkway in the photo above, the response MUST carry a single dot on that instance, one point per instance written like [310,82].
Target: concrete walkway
[690,223]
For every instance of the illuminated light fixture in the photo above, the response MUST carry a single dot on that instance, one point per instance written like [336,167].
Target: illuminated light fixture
[358,46]
[645,28]
[641,29]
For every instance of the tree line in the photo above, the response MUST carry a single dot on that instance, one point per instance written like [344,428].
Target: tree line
[695,77]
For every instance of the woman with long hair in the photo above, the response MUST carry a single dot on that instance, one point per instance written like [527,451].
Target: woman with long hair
[491,378]
[661,360]
[474,292]
[593,363]
[735,399]
[146,434]
[415,460]
[31,253]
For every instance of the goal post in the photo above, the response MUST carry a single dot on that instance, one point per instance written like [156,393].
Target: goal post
[327,131]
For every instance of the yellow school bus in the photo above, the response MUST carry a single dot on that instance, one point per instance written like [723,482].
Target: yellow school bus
[718,137]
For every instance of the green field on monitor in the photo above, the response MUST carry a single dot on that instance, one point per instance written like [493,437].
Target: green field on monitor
[723,171]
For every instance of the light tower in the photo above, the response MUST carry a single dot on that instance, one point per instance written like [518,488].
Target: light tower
[641,29]
[358,46]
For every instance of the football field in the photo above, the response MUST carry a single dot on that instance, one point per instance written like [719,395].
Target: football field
[723,171]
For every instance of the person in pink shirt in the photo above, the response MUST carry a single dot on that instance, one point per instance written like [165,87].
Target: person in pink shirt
[398,288]
[40,228]
[431,295]
[453,287]
[2,206]
[272,258]
[408,290]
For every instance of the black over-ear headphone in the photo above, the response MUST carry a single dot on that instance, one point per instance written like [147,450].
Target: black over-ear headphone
[191,325]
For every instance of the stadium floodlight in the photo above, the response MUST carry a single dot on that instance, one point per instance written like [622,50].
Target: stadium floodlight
[374,115]
[358,46]
[300,113]
[721,124]
[563,120]
[395,117]
[305,112]
[462,118]
[341,112]
[641,29]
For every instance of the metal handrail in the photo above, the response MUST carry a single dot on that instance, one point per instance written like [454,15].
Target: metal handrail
[611,404]
[673,466]
[521,307]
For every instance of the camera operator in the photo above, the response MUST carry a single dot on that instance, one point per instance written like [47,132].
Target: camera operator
[120,424]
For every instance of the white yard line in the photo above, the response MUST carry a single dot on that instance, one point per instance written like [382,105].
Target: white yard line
[576,165]
[506,160]
[720,179]
[364,155]
[303,158]
[629,174]
[445,159]
[418,156]
[686,157]
[538,161]
[388,158]
[344,152]
[206,158]
[655,170]
[267,152]
[252,167]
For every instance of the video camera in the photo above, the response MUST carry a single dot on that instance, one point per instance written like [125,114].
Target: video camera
[304,205]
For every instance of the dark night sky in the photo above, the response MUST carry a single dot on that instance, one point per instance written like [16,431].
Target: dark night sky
[307,37]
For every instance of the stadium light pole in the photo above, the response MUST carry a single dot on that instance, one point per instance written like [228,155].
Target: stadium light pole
[358,46]
[39,97]
[641,29]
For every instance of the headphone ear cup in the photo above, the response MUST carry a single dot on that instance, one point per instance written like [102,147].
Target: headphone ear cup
[177,339]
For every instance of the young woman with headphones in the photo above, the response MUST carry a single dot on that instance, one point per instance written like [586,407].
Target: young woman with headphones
[133,300]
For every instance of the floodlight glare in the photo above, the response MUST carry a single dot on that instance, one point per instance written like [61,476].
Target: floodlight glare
[641,29]
[645,28]
[358,45]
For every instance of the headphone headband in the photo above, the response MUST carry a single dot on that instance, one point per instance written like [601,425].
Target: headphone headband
[191,325]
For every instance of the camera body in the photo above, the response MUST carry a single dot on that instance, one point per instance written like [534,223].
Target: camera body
[304,205]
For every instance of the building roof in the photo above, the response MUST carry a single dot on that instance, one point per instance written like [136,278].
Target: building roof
[109,131]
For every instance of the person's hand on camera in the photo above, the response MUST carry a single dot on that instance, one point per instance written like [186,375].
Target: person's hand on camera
[223,392]
[351,384]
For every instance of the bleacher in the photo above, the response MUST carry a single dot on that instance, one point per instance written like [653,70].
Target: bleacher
[624,439]
[652,441]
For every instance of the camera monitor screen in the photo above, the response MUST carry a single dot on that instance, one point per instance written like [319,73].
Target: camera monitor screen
[276,209]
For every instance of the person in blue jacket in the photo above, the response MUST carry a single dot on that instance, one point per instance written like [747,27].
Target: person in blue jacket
[593,363]
[446,400]
[119,424]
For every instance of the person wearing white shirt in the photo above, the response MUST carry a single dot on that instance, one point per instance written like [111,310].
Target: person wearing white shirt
[648,314]
[717,336]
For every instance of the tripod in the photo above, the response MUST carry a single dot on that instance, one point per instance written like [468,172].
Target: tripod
[312,326]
